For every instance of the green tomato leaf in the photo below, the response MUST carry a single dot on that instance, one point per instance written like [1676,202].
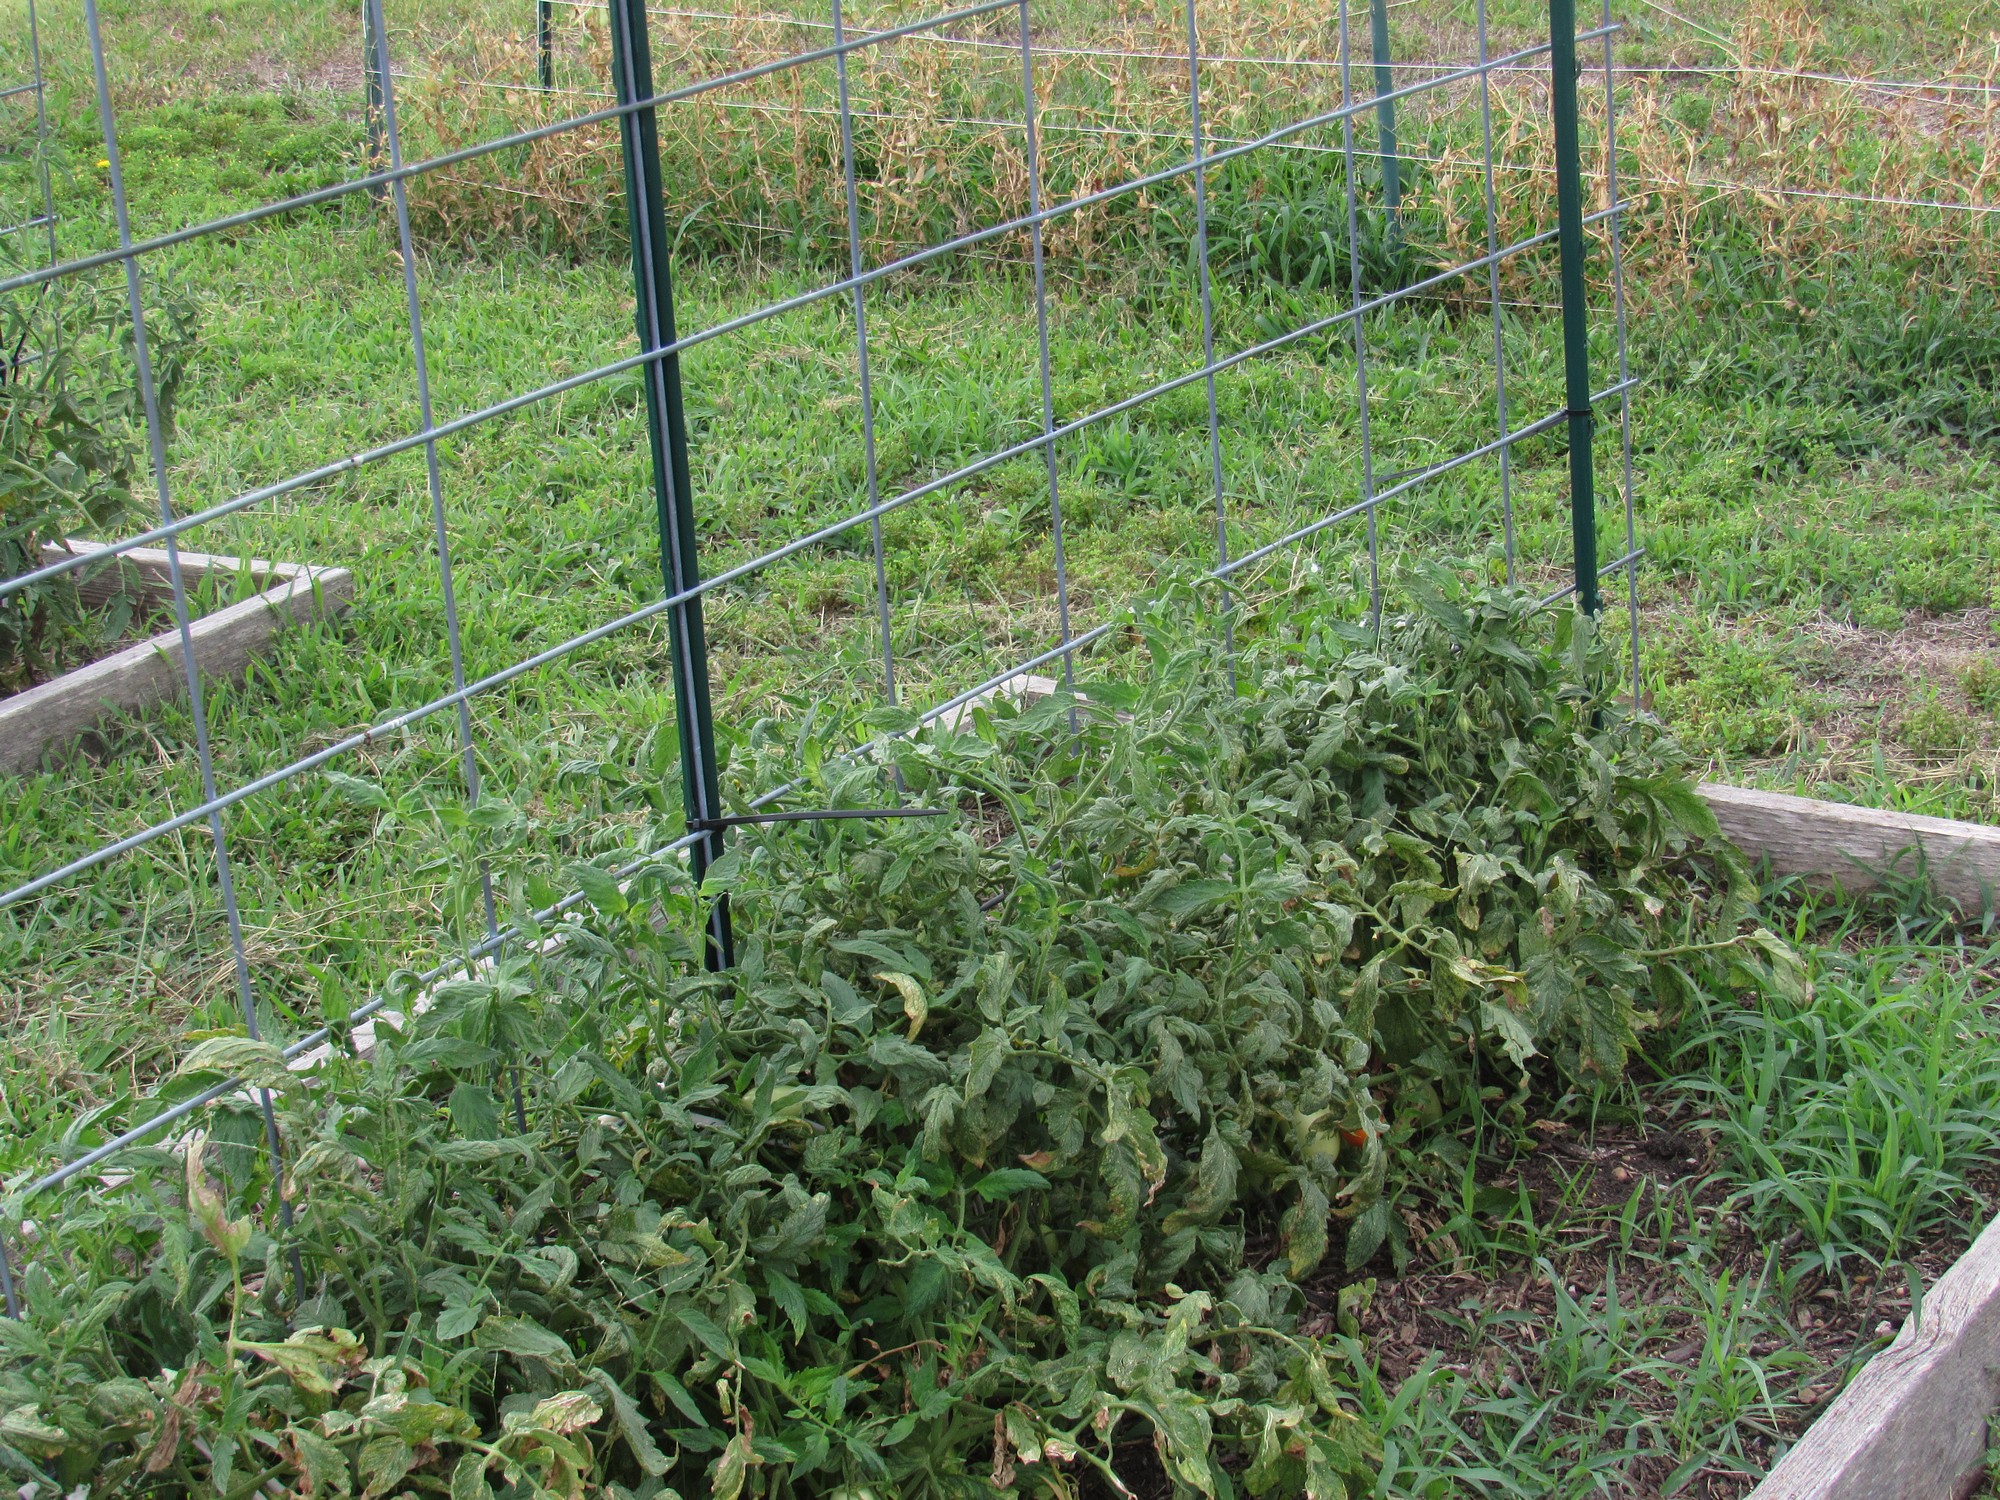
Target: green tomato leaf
[1005,1183]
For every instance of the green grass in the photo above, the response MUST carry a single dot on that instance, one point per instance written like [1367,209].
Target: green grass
[1856,1120]
[1817,487]
[1785,482]
[1674,1334]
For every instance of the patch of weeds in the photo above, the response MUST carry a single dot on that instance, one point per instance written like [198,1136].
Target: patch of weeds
[1855,1122]
[1981,684]
[1732,694]
[1930,726]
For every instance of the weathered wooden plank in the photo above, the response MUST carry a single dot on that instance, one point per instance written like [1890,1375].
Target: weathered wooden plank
[1830,842]
[58,711]
[148,571]
[1912,1424]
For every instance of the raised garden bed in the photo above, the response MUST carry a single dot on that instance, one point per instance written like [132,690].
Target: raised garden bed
[49,716]
[1916,1422]
[1050,1143]
[1835,844]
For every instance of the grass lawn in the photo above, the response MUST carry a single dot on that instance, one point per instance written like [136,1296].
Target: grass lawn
[1817,507]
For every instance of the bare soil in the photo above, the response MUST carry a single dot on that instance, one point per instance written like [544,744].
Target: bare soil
[1869,671]
[1576,1179]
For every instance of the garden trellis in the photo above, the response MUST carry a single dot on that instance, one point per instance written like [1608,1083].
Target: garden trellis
[640,99]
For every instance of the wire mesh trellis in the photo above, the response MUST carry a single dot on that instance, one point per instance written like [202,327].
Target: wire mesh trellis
[639,101]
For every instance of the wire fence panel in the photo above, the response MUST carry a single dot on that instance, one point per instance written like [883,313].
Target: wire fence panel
[783,460]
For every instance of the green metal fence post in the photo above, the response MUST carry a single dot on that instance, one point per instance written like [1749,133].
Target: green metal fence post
[545,50]
[1385,117]
[666,425]
[1575,310]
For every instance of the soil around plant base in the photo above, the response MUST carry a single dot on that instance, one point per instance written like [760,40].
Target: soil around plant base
[1437,1313]
[1479,1325]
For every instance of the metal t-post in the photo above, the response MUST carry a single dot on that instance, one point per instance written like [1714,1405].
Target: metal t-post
[666,425]
[1385,118]
[1575,311]
[545,49]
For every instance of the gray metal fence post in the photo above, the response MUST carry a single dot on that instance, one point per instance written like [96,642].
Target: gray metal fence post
[1575,308]
[666,424]
[42,131]
[371,79]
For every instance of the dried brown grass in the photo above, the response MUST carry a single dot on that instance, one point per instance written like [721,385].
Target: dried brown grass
[1780,157]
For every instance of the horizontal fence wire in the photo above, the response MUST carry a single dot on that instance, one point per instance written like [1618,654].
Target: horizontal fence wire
[1616,565]
[1637,70]
[1650,180]
[1050,433]
[95,555]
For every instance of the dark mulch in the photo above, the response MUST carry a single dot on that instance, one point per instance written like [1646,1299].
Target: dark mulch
[1425,1313]
[1434,1310]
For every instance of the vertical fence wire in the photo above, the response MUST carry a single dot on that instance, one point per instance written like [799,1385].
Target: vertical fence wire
[1207,284]
[1360,321]
[156,441]
[1624,353]
[1029,120]
[855,266]
[1493,288]
[468,757]
[372,81]
[42,173]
